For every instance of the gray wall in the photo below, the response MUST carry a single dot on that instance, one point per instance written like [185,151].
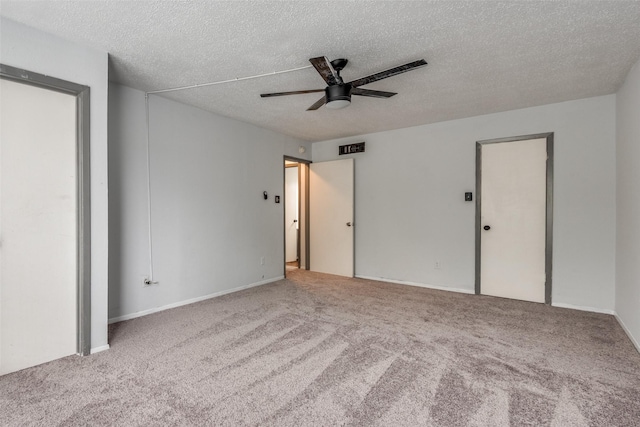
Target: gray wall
[628,204]
[410,186]
[210,222]
[33,50]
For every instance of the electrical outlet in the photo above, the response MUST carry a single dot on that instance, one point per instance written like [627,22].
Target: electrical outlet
[437,265]
[261,260]
[147,282]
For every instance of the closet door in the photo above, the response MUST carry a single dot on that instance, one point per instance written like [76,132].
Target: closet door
[38,226]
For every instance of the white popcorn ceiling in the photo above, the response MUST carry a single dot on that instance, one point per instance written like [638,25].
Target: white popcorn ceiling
[484,57]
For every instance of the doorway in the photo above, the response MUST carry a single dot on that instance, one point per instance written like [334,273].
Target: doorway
[44,219]
[296,214]
[514,209]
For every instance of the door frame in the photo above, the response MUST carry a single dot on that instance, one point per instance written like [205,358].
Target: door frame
[549,207]
[83,190]
[284,202]
[306,163]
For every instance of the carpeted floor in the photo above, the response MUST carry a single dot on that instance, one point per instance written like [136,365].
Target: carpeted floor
[324,350]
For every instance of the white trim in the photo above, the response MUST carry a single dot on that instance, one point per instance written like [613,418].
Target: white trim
[190,301]
[582,308]
[420,285]
[95,350]
[628,332]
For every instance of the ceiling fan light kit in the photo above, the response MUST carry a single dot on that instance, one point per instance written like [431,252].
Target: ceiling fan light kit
[337,94]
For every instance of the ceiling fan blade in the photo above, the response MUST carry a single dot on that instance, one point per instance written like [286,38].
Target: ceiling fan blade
[295,92]
[319,103]
[372,93]
[324,67]
[388,73]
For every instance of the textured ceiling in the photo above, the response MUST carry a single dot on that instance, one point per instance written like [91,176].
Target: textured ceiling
[483,57]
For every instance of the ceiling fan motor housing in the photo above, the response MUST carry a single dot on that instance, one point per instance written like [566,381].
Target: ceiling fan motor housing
[338,93]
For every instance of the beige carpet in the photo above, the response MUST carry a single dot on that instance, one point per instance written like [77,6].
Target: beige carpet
[323,350]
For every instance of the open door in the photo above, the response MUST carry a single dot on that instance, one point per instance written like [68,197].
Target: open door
[331,217]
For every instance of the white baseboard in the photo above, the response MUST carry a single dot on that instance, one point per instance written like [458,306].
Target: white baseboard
[603,311]
[95,350]
[379,279]
[583,308]
[190,301]
[467,291]
[628,332]
[420,285]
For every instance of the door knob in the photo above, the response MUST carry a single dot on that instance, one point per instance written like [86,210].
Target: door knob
[486,227]
[349,224]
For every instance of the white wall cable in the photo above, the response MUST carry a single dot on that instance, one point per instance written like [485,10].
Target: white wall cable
[237,79]
[149,280]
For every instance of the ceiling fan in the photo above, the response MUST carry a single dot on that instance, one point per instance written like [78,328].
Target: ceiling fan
[337,94]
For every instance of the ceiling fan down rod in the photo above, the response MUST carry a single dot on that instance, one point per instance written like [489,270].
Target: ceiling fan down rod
[237,79]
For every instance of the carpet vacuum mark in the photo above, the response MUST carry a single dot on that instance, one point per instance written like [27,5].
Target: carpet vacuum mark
[316,349]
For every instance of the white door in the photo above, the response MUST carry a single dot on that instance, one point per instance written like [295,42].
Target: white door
[38,235]
[513,219]
[291,213]
[331,197]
